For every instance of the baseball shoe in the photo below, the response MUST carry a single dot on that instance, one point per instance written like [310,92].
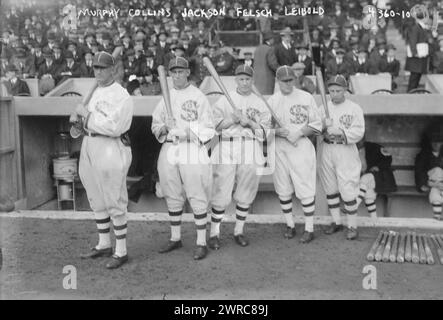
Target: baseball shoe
[438,217]
[172,245]
[97,253]
[241,240]
[307,237]
[333,228]
[290,233]
[200,252]
[352,234]
[214,243]
[117,262]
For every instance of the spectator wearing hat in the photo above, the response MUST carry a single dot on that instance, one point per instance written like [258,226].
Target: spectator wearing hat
[363,64]
[302,56]
[47,72]
[236,55]
[106,43]
[198,69]
[37,56]
[86,67]
[130,65]
[77,54]
[352,55]
[391,64]
[158,59]
[149,84]
[162,47]
[437,59]
[4,62]
[69,69]
[139,55]
[248,61]
[265,65]
[223,62]
[23,62]
[285,51]
[301,81]
[331,53]
[378,55]
[339,65]
[58,56]
[14,85]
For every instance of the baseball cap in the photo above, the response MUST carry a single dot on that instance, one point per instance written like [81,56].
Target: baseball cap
[103,59]
[285,73]
[338,80]
[298,65]
[244,69]
[178,62]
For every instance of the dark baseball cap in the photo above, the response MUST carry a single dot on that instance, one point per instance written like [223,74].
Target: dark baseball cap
[178,62]
[103,59]
[285,73]
[338,80]
[244,69]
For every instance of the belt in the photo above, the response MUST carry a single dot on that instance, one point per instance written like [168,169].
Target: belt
[332,141]
[236,138]
[170,141]
[93,135]
[124,138]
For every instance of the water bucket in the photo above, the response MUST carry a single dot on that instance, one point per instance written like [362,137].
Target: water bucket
[65,192]
[65,168]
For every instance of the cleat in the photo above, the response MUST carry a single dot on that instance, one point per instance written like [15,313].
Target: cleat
[307,237]
[352,234]
[117,262]
[97,253]
[241,240]
[172,245]
[200,252]
[214,243]
[333,228]
[290,233]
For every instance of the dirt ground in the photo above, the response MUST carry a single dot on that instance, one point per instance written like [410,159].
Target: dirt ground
[35,252]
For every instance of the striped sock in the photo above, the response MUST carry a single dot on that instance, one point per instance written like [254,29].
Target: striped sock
[286,207]
[372,208]
[241,213]
[351,210]
[120,230]
[334,207]
[175,217]
[216,219]
[361,195]
[200,222]
[309,209]
[103,222]
[437,209]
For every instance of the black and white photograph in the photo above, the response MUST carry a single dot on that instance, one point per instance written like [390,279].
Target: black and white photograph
[221,156]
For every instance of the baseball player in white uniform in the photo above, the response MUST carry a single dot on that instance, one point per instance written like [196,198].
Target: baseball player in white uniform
[295,159]
[184,166]
[238,156]
[105,158]
[340,164]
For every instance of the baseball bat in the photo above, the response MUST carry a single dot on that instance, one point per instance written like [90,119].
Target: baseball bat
[77,126]
[387,251]
[258,94]
[393,255]
[401,249]
[415,257]
[208,64]
[421,249]
[438,248]
[440,237]
[322,90]
[408,249]
[166,97]
[371,254]
[380,249]
[429,255]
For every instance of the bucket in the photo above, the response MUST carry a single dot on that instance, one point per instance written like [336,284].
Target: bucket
[65,168]
[65,192]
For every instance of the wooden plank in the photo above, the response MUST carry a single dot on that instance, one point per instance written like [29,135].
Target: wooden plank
[404,177]
[6,150]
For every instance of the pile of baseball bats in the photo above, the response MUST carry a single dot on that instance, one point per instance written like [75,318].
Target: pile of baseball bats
[392,246]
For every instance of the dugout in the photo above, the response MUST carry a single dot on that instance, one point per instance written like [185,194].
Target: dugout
[29,124]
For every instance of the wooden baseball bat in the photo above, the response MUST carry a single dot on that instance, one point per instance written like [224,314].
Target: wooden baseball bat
[77,122]
[258,94]
[438,248]
[208,64]
[322,90]
[393,255]
[381,248]
[421,249]
[415,257]
[371,254]
[429,255]
[387,251]
[408,249]
[401,249]
[166,96]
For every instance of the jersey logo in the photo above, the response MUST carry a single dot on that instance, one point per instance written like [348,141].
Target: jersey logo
[189,111]
[299,114]
[252,114]
[103,107]
[346,120]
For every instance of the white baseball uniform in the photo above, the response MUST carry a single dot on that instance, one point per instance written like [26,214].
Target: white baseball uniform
[105,161]
[184,169]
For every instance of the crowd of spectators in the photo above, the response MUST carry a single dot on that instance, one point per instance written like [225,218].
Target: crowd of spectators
[35,45]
